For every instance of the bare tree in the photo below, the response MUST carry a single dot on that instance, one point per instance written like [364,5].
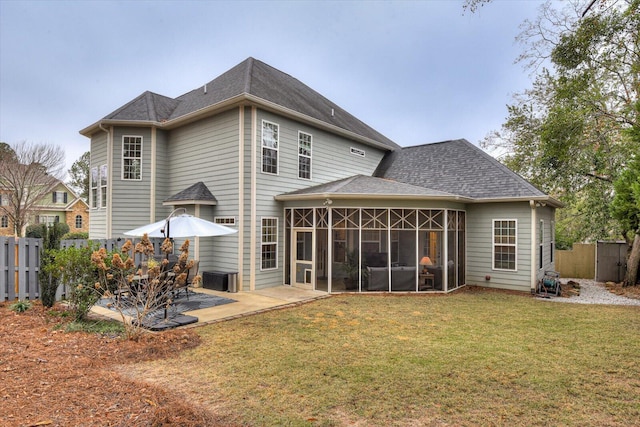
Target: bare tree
[27,173]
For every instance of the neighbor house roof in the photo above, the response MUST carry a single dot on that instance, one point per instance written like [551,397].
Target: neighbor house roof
[252,81]
[196,194]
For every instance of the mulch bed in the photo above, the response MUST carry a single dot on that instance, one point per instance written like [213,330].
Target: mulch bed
[53,378]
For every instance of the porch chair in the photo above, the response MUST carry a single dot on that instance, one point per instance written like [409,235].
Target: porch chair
[191,274]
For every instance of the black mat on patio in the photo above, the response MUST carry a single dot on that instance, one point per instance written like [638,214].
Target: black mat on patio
[173,317]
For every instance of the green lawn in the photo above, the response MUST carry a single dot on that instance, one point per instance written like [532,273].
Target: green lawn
[471,358]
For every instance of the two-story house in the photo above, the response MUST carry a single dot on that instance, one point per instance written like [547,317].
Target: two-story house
[60,204]
[319,198]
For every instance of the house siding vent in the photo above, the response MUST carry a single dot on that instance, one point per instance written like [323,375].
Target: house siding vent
[357,152]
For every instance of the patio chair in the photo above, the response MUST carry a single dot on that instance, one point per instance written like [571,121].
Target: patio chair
[191,273]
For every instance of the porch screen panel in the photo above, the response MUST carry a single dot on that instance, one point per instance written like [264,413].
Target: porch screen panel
[430,245]
[461,247]
[345,268]
[452,249]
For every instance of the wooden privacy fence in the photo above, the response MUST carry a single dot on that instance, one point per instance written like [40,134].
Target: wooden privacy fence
[19,267]
[20,264]
[578,263]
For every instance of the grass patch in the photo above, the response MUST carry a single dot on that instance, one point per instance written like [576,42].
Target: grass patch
[481,358]
[107,327]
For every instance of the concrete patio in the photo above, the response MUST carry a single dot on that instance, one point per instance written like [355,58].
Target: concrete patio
[247,303]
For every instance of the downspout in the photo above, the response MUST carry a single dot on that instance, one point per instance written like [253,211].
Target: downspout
[152,185]
[532,204]
[254,165]
[109,180]
[241,199]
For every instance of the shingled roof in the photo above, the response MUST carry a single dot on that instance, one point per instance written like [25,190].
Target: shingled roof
[457,167]
[196,194]
[250,80]
[366,186]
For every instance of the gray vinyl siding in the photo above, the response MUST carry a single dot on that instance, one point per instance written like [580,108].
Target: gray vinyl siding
[97,217]
[331,160]
[207,151]
[480,245]
[162,177]
[131,202]
[547,215]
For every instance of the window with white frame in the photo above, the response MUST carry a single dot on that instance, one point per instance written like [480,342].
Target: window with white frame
[59,197]
[4,200]
[270,144]
[78,221]
[505,241]
[304,155]
[541,244]
[4,221]
[269,244]
[94,188]
[552,245]
[103,186]
[229,221]
[47,219]
[132,158]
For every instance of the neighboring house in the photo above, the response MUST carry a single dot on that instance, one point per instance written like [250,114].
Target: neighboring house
[61,204]
[320,199]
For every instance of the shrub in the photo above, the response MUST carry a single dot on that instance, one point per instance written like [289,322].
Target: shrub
[78,235]
[20,306]
[80,275]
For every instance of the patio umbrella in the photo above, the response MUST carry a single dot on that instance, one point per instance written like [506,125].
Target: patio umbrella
[181,226]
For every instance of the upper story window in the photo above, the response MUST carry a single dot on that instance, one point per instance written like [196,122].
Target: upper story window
[103,186]
[270,143]
[4,200]
[132,158]
[94,188]
[304,155]
[505,241]
[59,197]
[78,221]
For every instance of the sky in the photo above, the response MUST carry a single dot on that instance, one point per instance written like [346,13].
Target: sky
[416,71]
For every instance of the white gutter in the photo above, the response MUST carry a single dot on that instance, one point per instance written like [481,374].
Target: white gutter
[254,164]
[152,184]
[368,196]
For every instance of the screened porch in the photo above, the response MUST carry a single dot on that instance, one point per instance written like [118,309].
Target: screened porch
[375,249]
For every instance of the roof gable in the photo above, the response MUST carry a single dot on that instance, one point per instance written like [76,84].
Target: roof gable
[148,106]
[457,167]
[197,194]
[256,81]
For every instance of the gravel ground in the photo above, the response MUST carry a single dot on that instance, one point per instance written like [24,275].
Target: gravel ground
[592,292]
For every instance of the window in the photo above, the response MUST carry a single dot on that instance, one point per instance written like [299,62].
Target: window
[4,221]
[59,197]
[304,155]
[504,244]
[94,188]
[4,200]
[47,219]
[229,221]
[269,246]
[132,158]
[78,221]
[552,236]
[103,186]
[541,245]
[270,135]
